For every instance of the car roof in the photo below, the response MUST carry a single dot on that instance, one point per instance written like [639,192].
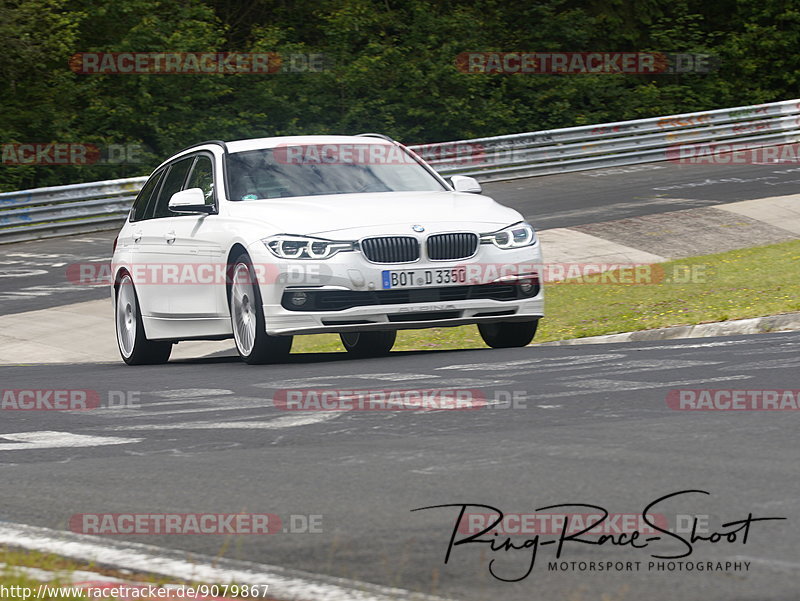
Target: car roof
[275,141]
[257,143]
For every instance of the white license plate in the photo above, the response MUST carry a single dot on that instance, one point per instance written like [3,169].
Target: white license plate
[422,278]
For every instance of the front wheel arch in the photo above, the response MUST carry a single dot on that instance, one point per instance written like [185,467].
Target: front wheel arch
[248,321]
[236,251]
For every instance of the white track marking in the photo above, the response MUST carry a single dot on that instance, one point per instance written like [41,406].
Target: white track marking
[540,362]
[791,347]
[323,380]
[283,583]
[20,272]
[680,347]
[193,401]
[618,368]
[470,382]
[37,292]
[615,367]
[205,406]
[595,386]
[34,255]
[286,421]
[618,170]
[47,439]
[782,363]
[190,393]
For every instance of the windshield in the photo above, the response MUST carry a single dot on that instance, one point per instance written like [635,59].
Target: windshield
[311,170]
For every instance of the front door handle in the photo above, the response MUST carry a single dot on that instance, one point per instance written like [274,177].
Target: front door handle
[170,236]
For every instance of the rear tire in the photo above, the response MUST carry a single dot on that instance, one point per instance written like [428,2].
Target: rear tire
[508,334]
[368,344]
[254,345]
[134,346]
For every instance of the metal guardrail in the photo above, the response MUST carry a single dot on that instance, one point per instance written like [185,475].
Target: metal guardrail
[94,206]
[613,144]
[65,210]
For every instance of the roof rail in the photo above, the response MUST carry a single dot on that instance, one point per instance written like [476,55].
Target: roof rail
[217,142]
[373,135]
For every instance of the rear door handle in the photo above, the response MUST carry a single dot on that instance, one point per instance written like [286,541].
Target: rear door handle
[170,236]
[137,236]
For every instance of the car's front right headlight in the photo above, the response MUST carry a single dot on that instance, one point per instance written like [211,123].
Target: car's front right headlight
[287,246]
[518,235]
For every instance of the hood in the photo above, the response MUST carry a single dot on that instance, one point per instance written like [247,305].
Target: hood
[391,211]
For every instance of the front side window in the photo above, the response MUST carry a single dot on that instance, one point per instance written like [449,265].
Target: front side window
[312,170]
[173,182]
[202,176]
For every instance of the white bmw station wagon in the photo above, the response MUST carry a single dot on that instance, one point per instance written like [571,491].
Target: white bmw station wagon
[260,240]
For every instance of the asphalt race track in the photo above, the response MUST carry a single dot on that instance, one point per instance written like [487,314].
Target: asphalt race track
[600,195]
[589,425]
[577,425]
[33,274]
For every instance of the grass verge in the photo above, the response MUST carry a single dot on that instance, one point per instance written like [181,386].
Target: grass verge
[17,583]
[750,282]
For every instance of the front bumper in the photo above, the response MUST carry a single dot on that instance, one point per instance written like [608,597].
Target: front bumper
[345,293]
[400,317]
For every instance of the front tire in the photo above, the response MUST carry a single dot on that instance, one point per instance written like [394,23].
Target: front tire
[134,346]
[368,344]
[508,334]
[254,345]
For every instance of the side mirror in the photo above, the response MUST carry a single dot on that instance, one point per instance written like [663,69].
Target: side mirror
[462,183]
[190,201]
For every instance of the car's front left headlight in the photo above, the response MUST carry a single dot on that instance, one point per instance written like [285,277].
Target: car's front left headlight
[286,246]
[518,235]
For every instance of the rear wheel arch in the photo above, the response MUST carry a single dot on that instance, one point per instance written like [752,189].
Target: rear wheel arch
[135,348]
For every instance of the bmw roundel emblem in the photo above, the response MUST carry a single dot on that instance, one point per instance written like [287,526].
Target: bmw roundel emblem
[417,228]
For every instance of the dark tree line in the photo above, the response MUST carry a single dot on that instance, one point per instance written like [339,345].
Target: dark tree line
[391,69]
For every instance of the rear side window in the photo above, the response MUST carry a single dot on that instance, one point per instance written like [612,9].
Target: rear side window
[173,182]
[139,210]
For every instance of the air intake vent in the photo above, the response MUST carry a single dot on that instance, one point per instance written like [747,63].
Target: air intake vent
[391,249]
[448,247]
